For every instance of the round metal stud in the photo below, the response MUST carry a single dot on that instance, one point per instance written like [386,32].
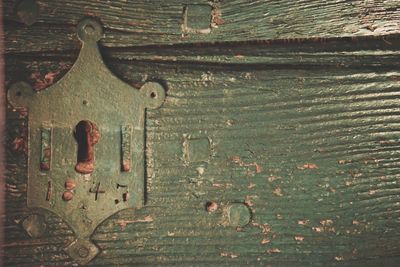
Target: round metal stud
[239,215]
[154,94]
[67,196]
[70,184]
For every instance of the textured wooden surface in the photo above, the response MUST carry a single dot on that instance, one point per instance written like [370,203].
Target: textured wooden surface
[304,133]
[139,23]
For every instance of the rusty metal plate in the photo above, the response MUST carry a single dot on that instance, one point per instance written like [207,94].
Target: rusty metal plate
[86,143]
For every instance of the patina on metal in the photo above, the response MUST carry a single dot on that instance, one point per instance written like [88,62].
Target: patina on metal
[86,142]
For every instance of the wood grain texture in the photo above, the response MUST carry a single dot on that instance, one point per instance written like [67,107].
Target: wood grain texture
[140,23]
[312,152]
[302,127]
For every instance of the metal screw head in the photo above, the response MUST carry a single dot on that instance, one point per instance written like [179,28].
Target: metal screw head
[83,252]
[67,196]
[70,184]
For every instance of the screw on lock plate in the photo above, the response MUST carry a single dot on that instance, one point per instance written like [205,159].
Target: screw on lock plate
[86,129]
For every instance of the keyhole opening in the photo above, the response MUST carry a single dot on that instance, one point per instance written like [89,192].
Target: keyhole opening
[87,135]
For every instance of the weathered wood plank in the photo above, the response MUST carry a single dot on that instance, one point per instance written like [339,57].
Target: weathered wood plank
[305,132]
[139,23]
[344,52]
[313,152]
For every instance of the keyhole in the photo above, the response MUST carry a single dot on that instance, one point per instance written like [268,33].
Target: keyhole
[87,135]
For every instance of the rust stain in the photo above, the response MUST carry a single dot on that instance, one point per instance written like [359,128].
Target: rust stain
[91,14]
[249,200]
[49,191]
[318,229]
[303,222]
[265,241]
[235,159]
[239,56]
[273,250]
[238,160]
[219,21]
[370,161]
[230,122]
[43,82]
[249,76]
[219,185]
[211,206]
[348,183]
[299,238]
[326,222]
[251,185]
[170,233]
[265,231]
[339,258]
[325,227]
[355,174]
[258,168]
[278,192]
[124,223]
[271,178]
[126,165]
[229,254]
[17,143]
[265,228]
[344,161]
[217,17]
[22,112]
[44,166]
[308,166]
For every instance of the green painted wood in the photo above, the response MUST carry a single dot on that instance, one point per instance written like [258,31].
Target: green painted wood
[313,152]
[332,52]
[304,131]
[140,23]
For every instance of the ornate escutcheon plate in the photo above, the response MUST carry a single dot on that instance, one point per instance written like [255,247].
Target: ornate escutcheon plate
[86,143]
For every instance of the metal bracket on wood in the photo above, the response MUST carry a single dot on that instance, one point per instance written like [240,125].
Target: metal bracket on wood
[86,138]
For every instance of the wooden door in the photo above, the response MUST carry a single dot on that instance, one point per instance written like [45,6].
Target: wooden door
[277,143]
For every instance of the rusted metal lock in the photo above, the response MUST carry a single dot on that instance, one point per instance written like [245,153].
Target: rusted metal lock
[86,143]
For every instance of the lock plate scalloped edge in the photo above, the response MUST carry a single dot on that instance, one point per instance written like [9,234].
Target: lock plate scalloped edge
[88,92]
